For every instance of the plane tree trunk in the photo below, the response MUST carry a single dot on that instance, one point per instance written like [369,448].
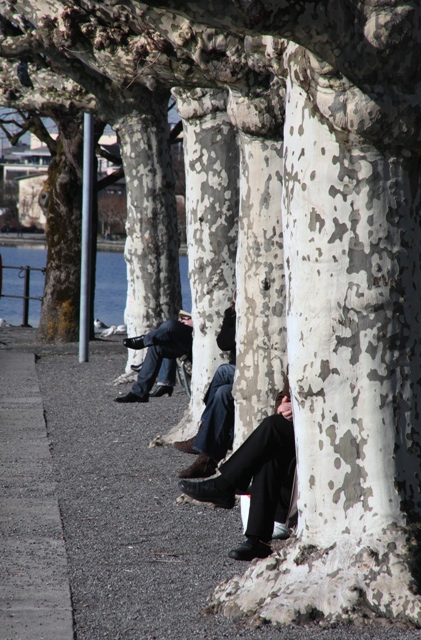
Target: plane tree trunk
[61,201]
[110,64]
[261,308]
[212,165]
[352,236]
[139,117]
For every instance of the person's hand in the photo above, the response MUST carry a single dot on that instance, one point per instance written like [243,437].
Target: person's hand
[285,408]
[185,320]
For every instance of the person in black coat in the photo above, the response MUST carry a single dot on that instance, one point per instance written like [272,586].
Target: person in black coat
[267,459]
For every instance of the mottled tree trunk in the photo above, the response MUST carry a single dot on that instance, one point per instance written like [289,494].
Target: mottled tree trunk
[151,252]
[352,238]
[261,317]
[212,166]
[61,200]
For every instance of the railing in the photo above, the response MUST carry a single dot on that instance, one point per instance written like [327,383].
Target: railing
[25,273]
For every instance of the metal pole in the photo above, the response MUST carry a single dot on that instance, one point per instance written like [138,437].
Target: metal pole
[85,275]
[25,315]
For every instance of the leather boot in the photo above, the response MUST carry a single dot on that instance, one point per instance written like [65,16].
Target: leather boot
[162,390]
[187,445]
[203,467]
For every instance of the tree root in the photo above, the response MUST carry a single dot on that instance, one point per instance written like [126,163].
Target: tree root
[359,582]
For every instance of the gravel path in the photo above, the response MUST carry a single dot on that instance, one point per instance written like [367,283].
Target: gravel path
[140,566]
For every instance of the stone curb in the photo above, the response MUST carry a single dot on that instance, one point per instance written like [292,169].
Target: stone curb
[35,602]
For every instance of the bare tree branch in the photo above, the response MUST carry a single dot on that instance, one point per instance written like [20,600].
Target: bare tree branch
[103,153]
[175,132]
[111,179]
[37,127]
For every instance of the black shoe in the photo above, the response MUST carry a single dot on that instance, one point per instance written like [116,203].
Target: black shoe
[162,390]
[132,397]
[134,343]
[250,549]
[208,491]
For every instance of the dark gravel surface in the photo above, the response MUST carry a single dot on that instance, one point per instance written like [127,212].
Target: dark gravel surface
[140,566]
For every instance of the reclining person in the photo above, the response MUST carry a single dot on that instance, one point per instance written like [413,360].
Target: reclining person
[268,458]
[216,432]
[172,339]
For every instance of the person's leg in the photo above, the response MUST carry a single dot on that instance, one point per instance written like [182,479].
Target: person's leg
[148,372]
[270,496]
[166,379]
[271,487]
[217,429]
[171,340]
[224,375]
[217,432]
[174,338]
[273,439]
[167,373]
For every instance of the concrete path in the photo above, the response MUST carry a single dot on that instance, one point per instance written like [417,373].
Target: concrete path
[35,599]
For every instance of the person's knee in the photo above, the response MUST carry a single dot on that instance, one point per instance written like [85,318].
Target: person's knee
[224,395]
[225,369]
[166,331]
[170,325]
[223,374]
[269,423]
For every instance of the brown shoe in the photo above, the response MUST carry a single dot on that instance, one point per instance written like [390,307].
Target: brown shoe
[187,446]
[203,467]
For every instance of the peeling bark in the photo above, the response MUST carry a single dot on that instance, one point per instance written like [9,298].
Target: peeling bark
[351,581]
[261,309]
[352,235]
[61,200]
[211,160]
[353,230]
[154,294]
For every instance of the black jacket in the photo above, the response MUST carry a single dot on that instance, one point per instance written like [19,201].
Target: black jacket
[226,336]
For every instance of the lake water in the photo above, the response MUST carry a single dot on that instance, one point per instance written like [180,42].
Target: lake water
[110,289]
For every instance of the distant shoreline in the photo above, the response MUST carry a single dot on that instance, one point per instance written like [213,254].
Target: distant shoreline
[30,241]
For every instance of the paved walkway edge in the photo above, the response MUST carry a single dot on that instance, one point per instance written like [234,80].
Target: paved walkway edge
[35,601]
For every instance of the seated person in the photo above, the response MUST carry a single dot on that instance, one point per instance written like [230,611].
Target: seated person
[172,339]
[216,432]
[266,457]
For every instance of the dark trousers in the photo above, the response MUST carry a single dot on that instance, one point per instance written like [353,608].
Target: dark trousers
[171,340]
[217,430]
[267,458]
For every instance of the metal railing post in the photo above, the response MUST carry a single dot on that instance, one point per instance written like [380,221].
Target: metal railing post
[25,315]
[26,289]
